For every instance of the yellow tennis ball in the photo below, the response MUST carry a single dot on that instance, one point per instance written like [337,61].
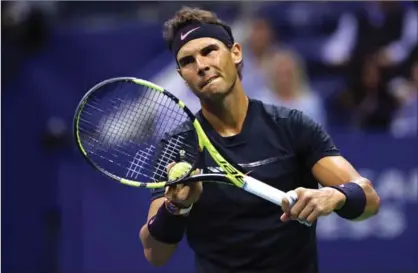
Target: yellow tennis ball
[178,170]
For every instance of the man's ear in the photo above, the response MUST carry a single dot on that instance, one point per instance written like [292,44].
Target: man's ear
[179,71]
[236,53]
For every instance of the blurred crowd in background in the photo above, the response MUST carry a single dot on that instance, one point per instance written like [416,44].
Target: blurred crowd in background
[348,65]
[352,66]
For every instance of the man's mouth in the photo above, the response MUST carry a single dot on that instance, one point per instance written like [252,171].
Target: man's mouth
[209,81]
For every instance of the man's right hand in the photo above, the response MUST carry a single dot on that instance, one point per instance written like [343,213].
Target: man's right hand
[184,195]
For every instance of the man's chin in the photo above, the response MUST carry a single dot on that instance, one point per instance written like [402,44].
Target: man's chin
[212,95]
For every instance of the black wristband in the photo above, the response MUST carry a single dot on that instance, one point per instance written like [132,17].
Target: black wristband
[355,200]
[167,227]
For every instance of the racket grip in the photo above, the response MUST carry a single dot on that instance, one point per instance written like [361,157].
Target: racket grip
[268,192]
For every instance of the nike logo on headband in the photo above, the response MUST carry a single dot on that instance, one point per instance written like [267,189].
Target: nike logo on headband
[183,36]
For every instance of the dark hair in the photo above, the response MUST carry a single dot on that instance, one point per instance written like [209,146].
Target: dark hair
[187,15]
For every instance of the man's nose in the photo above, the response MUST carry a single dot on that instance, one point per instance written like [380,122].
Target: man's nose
[201,66]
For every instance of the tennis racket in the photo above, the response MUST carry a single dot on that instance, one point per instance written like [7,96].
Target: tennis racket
[131,129]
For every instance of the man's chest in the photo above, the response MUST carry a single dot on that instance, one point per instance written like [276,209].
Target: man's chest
[266,158]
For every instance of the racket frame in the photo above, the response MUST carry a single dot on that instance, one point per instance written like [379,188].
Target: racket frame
[231,173]
[79,110]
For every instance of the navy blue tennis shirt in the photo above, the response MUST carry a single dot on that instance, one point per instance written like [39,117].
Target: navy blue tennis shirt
[231,230]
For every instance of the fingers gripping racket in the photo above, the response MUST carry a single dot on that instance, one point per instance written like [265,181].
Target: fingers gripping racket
[131,130]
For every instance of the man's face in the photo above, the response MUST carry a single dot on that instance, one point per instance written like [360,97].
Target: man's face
[209,67]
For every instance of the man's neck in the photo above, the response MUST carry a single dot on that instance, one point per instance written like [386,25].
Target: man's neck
[227,116]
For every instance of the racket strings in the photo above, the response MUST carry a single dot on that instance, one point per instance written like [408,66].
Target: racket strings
[171,152]
[168,155]
[121,127]
[109,132]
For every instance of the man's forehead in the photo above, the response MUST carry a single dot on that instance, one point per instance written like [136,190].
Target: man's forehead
[196,45]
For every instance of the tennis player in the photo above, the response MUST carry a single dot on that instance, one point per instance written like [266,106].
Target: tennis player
[229,229]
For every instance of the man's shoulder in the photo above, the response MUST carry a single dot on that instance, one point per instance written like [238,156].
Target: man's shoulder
[277,113]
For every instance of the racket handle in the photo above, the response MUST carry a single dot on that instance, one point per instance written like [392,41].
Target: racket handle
[268,192]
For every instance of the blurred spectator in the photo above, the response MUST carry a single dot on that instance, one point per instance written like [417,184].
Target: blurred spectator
[337,50]
[289,86]
[24,31]
[257,50]
[367,100]
[405,89]
[385,28]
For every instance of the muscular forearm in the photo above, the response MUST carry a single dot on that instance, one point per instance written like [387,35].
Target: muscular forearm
[157,253]
[164,229]
[372,199]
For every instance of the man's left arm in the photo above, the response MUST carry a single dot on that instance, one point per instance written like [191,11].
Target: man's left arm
[344,190]
[336,171]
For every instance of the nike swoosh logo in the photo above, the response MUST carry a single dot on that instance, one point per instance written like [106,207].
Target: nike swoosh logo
[183,36]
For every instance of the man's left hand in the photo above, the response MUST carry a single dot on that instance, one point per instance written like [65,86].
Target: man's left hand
[312,204]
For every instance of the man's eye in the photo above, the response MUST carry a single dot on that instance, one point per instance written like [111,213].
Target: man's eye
[185,61]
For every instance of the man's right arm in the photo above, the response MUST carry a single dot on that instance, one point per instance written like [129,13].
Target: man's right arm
[168,213]
[157,253]
[167,221]
[157,249]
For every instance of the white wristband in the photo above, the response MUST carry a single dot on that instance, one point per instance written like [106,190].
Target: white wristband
[173,209]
